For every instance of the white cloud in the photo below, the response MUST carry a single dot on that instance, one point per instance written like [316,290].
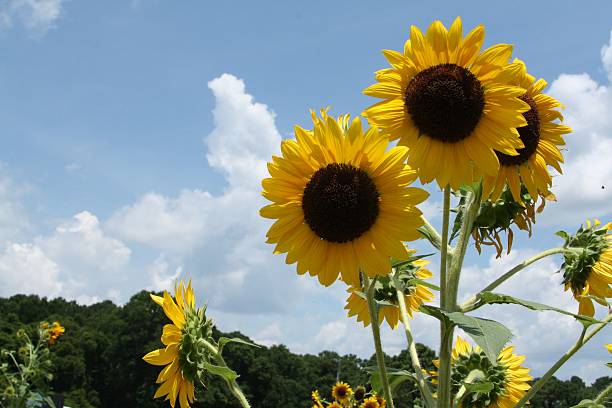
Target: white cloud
[24,268]
[38,16]
[160,275]
[584,190]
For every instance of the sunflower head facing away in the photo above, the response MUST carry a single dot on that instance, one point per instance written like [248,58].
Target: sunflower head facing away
[452,104]
[341,201]
[510,381]
[181,352]
[588,270]
[415,294]
[542,137]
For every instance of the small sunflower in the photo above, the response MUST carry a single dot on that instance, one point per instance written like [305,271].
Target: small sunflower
[450,103]
[510,380]
[371,402]
[316,399]
[341,201]
[415,295]
[342,392]
[334,405]
[55,331]
[588,272]
[180,371]
[609,347]
[382,403]
[542,137]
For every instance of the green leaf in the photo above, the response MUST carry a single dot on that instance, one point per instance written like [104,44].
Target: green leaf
[497,298]
[224,340]
[221,371]
[394,375]
[481,387]
[417,281]
[587,403]
[490,335]
[563,235]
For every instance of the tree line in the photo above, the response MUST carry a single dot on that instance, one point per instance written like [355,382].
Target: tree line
[98,361]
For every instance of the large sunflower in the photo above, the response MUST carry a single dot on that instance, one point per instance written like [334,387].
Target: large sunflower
[341,201]
[510,380]
[541,137]
[588,272]
[414,295]
[450,103]
[177,377]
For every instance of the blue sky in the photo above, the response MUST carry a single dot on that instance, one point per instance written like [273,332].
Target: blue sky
[117,121]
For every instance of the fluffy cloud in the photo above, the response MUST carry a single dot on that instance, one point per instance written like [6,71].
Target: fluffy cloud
[584,190]
[25,268]
[38,16]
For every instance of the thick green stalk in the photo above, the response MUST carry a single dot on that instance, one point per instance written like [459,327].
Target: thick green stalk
[446,331]
[380,357]
[552,370]
[468,217]
[414,356]
[469,304]
[232,384]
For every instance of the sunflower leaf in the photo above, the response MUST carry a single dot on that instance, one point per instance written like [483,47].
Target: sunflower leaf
[415,281]
[497,298]
[481,387]
[221,371]
[490,335]
[395,376]
[224,340]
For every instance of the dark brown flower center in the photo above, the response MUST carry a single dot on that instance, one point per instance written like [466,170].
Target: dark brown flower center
[340,202]
[445,102]
[530,136]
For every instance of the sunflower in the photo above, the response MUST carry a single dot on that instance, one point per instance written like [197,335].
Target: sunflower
[381,401]
[342,392]
[450,103]
[588,271]
[510,380]
[341,201]
[177,378]
[541,137]
[334,405]
[415,295]
[371,402]
[55,331]
[316,399]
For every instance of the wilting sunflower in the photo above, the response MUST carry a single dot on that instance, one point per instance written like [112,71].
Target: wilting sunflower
[415,295]
[341,201]
[510,380]
[177,378]
[542,137]
[342,392]
[588,271]
[450,103]
[55,331]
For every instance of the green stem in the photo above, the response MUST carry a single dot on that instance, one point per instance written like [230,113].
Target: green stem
[468,217]
[414,356]
[584,338]
[469,305]
[232,384]
[446,331]
[380,357]
[602,397]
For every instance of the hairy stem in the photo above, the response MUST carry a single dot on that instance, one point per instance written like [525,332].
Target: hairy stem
[231,384]
[435,236]
[603,396]
[584,338]
[380,357]
[414,356]
[446,331]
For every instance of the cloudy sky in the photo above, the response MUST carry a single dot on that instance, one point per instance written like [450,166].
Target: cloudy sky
[134,135]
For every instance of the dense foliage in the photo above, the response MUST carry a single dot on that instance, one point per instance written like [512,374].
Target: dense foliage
[98,362]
